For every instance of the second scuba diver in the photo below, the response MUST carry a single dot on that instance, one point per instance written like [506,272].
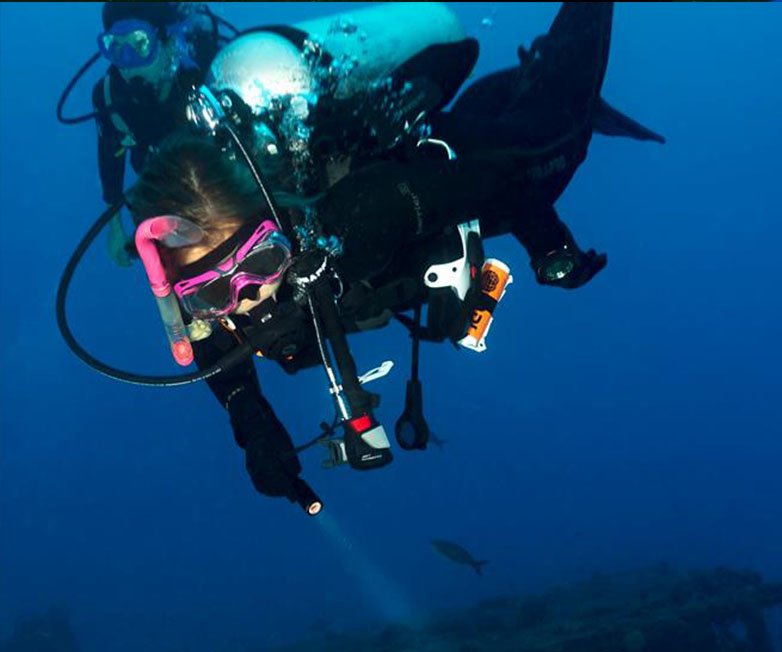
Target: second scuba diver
[157,51]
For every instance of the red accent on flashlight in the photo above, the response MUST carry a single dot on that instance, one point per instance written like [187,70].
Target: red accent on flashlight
[361,424]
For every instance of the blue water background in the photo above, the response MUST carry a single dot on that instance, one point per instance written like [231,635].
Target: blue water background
[633,421]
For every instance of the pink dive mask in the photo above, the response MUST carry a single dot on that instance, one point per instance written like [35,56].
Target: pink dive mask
[254,256]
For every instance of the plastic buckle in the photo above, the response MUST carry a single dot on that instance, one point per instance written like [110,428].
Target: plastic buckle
[457,274]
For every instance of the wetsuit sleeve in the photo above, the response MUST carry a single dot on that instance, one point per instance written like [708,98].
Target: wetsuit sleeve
[237,389]
[380,208]
[111,154]
[270,458]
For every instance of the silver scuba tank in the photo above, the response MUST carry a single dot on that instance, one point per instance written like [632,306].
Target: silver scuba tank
[365,46]
[261,67]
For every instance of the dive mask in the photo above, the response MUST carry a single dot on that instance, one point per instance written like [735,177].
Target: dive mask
[130,43]
[213,286]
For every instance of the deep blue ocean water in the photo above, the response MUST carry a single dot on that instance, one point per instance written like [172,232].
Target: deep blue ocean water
[633,421]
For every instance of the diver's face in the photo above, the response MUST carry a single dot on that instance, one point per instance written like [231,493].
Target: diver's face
[156,73]
[196,252]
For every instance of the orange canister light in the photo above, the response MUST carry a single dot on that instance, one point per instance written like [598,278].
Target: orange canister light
[495,278]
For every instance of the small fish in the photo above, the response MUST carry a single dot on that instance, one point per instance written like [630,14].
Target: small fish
[455,553]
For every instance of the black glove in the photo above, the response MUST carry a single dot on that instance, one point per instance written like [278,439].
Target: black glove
[269,456]
[272,463]
[570,268]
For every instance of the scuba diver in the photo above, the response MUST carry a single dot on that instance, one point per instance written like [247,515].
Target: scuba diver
[371,204]
[157,51]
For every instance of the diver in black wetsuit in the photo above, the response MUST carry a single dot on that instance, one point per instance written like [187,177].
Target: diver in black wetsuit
[387,210]
[158,51]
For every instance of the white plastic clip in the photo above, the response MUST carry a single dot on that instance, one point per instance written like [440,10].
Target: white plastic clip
[376,373]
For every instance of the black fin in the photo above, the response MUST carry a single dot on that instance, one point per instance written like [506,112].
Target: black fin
[608,121]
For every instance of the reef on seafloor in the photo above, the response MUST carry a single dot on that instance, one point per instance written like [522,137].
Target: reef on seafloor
[658,609]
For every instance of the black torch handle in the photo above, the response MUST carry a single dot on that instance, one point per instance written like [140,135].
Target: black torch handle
[359,400]
[306,497]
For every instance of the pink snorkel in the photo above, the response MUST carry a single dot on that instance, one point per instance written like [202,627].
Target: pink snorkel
[172,231]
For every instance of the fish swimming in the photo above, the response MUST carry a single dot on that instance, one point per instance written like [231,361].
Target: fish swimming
[455,553]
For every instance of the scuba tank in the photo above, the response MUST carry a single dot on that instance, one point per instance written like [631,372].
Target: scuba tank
[335,71]
[264,63]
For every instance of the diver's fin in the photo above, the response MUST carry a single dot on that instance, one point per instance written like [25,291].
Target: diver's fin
[608,121]
[478,565]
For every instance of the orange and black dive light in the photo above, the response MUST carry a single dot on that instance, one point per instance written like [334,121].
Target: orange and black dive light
[495,277]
